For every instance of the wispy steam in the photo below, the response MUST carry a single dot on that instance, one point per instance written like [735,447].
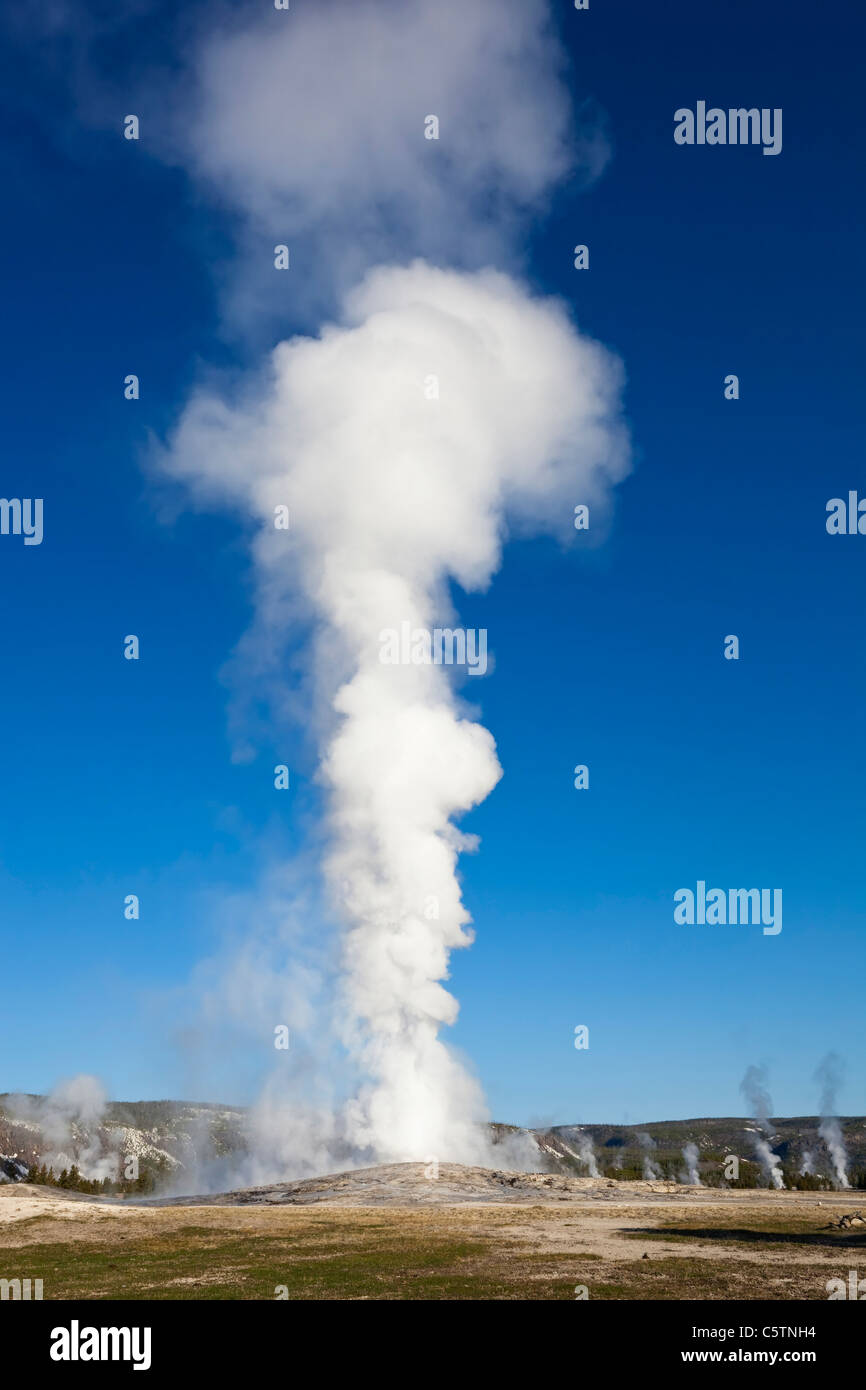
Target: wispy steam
[69,1119]
[586,1152]
[313,133]
[828,1077]
[753,1087]
[651,1169]
[691,1155]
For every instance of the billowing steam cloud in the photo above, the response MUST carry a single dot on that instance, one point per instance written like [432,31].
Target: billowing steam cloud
[807,1165]
[829,1077]
[315,129]
[439,411]
[69,1119]
[691,1155]
[753,1087]
[651,1169]
[392,495]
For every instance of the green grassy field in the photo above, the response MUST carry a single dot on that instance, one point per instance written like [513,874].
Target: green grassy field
[478,1254]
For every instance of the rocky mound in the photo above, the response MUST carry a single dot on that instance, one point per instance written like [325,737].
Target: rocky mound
[420,1184]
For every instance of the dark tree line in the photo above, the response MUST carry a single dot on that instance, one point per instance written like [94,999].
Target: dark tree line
[71,1180]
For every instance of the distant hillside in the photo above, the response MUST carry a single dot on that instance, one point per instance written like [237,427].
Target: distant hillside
[619,1152]
[166,1137]
[170,1139]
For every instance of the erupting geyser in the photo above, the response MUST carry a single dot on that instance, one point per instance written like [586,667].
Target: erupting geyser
[392,495]
[439,409]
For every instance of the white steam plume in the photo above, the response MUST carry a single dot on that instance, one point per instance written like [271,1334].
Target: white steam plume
[807,1166]
[70,1120]
[753,1087]
[392,495]
[651,1171]
[587,1155]
[313,128]
[829,1077]
[439,411]
[771,1162]
[586,1152]
[517,1150]
[691,1154]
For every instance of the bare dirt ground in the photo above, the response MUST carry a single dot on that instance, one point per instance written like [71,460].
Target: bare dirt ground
[392,1232]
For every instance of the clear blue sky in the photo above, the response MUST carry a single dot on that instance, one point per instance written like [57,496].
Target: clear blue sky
[117,776]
